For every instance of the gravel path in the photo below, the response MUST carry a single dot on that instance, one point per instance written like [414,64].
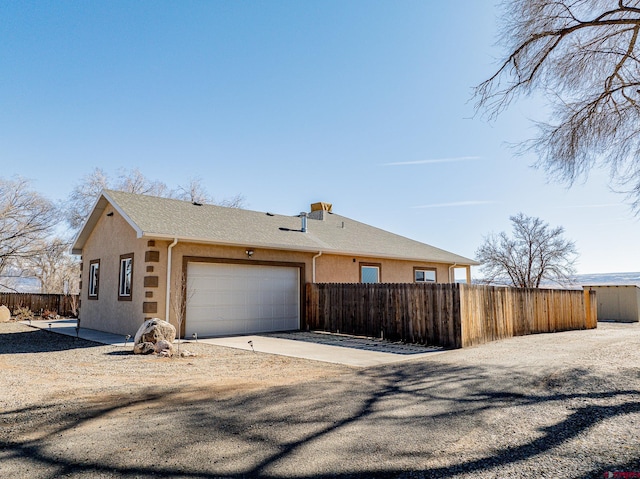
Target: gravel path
[553,405]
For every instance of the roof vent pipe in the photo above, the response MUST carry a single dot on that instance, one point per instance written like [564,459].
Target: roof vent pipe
[303,217]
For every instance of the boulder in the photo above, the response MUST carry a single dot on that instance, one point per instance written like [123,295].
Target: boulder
[164,348]
[5,314]
[144,348]
[154,330]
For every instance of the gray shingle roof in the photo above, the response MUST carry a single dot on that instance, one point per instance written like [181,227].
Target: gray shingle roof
[155,217]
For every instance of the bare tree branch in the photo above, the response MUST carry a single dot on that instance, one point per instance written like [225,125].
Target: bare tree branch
[84,195]
[54,267]
[86,192]
[26,220]
[194,192]
[582,55]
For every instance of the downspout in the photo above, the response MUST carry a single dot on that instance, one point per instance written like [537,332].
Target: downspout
[175,242]
[313,276]
[452,280]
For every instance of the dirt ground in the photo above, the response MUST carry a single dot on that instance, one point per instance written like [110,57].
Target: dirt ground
[553,405]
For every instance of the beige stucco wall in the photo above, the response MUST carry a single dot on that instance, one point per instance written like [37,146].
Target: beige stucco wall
[110,238]
[113,236]
[346,269]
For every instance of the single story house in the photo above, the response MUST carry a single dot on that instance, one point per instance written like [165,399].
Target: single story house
[617,302]
[213,270]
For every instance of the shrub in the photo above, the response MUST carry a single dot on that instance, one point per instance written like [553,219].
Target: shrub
[47,314]
[23,314]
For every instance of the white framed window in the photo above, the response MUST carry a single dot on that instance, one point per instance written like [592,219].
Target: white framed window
[125,277]
[94,278]
[421,275]
[369,273]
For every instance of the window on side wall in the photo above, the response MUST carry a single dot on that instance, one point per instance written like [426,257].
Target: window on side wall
[94,278]
[125,277]
[369,273]
[422,275]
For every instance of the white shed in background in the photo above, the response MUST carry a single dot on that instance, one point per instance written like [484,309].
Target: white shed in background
[617,302]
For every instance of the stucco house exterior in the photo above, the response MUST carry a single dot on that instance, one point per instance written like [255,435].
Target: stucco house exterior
[218,271]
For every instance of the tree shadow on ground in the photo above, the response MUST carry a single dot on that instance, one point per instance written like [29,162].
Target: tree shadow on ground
[40,341]
[416,419]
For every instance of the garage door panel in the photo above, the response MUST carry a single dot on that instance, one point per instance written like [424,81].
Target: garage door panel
[228,299]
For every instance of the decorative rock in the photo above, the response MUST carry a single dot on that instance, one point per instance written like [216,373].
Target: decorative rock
[154,330]
[187,354]
[5,314]
[144,348]
[164,347]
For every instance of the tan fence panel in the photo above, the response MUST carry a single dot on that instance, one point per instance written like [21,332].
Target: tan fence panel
[491,313]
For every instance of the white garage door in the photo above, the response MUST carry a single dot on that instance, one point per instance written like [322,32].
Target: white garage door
[225,299]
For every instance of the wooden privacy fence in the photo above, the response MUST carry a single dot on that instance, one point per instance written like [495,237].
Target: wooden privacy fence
[490,313]
[416,313]
[60,303]
[449,315]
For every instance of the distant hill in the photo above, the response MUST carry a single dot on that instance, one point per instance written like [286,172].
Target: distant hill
[608,278]
[599,279]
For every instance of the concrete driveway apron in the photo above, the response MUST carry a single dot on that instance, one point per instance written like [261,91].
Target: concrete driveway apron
[331,348]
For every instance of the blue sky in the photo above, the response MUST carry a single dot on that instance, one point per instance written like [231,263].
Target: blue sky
[363,104]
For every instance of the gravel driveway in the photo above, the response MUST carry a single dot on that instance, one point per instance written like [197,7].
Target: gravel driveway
[552,405]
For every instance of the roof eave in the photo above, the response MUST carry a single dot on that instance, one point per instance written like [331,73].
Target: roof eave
[307,249]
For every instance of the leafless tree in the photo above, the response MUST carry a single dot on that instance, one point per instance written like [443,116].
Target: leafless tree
[84,195]
[73,303]
[86,192]
[581,54]
[178,305]
[194,192]
[237,201]
[197,193]
[534,253]
[54,267]
[133,181]
[26,220]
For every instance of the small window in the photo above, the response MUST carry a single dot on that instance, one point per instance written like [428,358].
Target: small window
[126,275]
[94,278]
[369,273]
[424,275]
